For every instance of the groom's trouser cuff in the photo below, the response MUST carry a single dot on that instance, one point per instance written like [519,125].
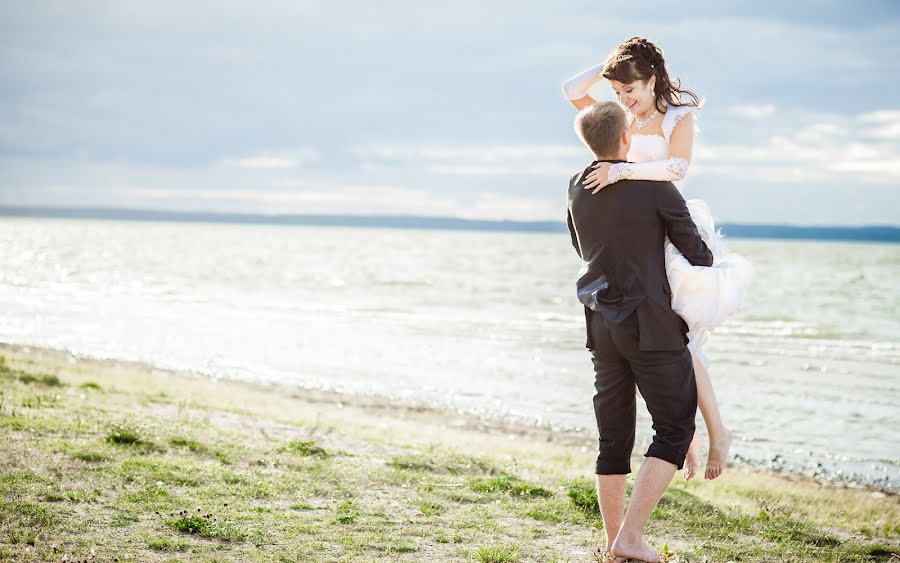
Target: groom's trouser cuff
[665,452]
[612,467]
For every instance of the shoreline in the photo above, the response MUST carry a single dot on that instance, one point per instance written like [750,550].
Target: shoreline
[463,419]
[125,460]
[458,418]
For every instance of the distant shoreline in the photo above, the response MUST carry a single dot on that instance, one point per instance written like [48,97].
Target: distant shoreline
[875,233]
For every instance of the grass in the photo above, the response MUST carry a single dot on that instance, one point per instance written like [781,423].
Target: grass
[305,448]
[509,484]
[497,554]
[103,461]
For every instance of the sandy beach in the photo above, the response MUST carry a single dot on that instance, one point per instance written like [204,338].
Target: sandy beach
[107,460]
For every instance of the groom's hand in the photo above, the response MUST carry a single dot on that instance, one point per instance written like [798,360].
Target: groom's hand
[598,178]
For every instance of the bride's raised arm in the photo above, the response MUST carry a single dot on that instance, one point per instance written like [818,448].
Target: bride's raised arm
[681,144]
[576,88]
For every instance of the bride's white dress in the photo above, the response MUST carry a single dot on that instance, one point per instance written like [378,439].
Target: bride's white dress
[703,296]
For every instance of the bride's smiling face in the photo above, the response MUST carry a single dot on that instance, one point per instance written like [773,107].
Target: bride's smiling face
[637,96]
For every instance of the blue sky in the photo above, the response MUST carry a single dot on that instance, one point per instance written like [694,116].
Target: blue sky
[451,109]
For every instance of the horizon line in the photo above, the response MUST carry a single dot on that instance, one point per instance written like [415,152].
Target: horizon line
[871,232]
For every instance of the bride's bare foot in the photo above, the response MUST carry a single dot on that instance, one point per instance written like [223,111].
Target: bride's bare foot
[640,551]
[692,461]
[718,455]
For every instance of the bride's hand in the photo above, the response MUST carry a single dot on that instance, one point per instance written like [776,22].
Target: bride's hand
[598,178]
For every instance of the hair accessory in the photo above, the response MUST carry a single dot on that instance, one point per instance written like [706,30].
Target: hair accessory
[616,60]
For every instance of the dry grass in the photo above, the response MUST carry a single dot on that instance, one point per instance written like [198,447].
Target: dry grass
[142,464]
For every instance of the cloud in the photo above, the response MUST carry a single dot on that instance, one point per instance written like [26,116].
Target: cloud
[487,160]
[886,124]
[833,149]
[276,159]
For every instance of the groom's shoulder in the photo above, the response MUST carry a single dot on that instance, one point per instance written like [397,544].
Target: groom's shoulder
[576,179]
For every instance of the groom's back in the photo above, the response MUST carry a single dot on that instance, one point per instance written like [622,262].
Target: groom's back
[620,233]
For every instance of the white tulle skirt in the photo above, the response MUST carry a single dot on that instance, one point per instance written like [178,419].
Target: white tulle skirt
[705,296]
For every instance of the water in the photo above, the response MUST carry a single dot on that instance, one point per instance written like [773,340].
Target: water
[806,374]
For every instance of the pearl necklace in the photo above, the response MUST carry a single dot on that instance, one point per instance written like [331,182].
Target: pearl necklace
[641,123]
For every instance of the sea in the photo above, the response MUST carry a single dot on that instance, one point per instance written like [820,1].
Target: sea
[807,373]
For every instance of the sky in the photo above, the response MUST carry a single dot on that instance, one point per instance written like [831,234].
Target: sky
[436,108]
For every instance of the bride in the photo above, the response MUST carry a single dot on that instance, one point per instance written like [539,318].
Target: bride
[661,117]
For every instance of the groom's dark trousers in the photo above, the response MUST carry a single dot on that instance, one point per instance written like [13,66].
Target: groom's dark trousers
[635,337]
[666,381]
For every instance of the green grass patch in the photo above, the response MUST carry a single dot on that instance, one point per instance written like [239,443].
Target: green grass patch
[41,379]
[123,519]
[40,401]
[165,543]
[24,522]
[582,495]
[90,456]
[497,554]
[192,445]
[206,525]
[151,495]
[430,508]
[18,482]
[551,511]
[305,448]
[440,462]
[155,470]
[15,422]
[511,484]
[346,512]
[122,433]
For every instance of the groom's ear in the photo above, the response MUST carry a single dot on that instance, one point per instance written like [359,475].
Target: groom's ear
[625,138]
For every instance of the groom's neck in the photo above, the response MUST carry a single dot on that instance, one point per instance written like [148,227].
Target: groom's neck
[623,155]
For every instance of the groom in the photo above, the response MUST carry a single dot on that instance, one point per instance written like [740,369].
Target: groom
[634,336]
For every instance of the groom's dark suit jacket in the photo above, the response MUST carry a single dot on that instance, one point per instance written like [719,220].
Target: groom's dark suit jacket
[620,232]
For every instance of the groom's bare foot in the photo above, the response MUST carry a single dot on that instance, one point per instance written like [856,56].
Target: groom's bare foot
[606,556]
[692,460]
[718,455]
[640,551]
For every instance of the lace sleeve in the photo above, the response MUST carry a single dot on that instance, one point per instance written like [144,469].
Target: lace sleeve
[674,115]
[670,170]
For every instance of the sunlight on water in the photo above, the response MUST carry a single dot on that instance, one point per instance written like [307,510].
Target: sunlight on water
[807,373]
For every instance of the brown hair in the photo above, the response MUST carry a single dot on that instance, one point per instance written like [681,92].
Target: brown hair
[600,126]
[645,62]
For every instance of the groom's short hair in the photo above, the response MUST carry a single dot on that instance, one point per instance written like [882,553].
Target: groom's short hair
[600,126]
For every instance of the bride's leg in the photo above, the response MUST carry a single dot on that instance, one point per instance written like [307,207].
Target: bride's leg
[719,435]
[692,461]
